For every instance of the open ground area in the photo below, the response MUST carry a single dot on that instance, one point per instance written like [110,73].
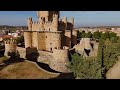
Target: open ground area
[24,70]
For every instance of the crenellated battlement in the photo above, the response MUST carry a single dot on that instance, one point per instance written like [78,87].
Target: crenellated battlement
[30,18]
[64,19]
[52,34]
[72,20]
[55,16]
[36,22]
[10,41]
[48,23]
[10,46]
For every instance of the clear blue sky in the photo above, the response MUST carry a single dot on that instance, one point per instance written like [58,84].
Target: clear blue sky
[82,18]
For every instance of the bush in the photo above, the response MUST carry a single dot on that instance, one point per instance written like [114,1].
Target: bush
[20,39]
[88,35]
[108,53]
[96,35]
[85,68]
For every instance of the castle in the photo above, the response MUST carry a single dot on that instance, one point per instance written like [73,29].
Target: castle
[50,33]
[10,46]
[51,36]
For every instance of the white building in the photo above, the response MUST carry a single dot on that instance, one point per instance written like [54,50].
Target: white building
[13,34]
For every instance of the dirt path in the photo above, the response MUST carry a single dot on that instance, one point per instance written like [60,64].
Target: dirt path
[114,72]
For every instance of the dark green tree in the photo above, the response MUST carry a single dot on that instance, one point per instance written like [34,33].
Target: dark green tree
[85,68]
[20,39]
[96,35]
[88,35]
[83,34]
[112,34]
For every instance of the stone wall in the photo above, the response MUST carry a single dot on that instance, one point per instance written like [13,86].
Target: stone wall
[56,60]
[67,38]
[10,47]
[36,26]
[41,40]
[30,23]
[86,47]
[34,39]
[28,38]
[49,40]
[22,52]
[60,60]
[45,57]
[87,44]
[48,21]
[74,38]
[57,74]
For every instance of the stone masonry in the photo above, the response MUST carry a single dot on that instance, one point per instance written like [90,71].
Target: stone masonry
[51,34]
[48,40]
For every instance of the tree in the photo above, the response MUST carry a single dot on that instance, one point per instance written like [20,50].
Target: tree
[20,39]
[96,35]
[112,34]
[83,34]
[105,35]
[85,68]
[108,53]
[114,39]
[88,35]
[79,34]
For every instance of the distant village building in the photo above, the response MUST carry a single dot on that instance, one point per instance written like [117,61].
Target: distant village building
[14,34]
[3,37]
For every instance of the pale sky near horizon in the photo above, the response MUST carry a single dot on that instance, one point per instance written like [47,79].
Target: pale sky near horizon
[82,18]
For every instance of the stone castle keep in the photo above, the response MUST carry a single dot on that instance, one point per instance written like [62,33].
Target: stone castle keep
[51,36]
[50,32]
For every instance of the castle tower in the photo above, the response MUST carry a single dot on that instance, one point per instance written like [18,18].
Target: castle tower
[10,47]
[28,39]
[60,60]
[64,20]
[46,15]
[55,22]
[74,38]
[30,23]
[67,38]
[72,22]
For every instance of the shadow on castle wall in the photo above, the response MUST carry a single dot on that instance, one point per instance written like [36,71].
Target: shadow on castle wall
[13,58]
[32,54]
[74,41]
[67,41]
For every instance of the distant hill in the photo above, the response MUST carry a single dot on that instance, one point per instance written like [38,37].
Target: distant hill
[99,27]
[12,27]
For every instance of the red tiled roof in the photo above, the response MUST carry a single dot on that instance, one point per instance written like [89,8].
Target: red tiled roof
[6,36]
